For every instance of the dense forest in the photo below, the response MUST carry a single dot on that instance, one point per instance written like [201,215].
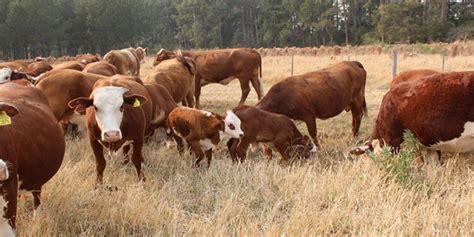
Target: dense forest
[30,28]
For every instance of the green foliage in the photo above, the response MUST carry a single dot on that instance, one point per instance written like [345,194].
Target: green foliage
[30,28]
[400,168]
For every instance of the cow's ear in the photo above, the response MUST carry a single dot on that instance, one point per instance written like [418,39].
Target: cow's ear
[80,104]
[135,100]
[10,110]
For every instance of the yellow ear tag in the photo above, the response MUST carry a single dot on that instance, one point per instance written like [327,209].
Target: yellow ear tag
[5,119]
[136,103]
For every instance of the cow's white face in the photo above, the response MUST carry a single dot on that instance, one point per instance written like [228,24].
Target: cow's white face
[108,105]
[4,175]
[5,75]
[232,125]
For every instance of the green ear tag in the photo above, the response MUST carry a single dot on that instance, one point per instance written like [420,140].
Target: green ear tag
[5,119]
[136,103]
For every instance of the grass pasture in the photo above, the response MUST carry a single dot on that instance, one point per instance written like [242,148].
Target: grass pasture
[330,194]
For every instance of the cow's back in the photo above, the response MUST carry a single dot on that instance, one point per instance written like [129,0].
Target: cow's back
[34,138]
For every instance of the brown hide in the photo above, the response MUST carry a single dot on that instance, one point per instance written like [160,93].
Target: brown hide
[102,68]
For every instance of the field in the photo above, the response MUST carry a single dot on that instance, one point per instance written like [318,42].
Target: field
[329,194]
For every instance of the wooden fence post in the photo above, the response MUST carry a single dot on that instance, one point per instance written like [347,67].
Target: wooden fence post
[394,63]
[443,58]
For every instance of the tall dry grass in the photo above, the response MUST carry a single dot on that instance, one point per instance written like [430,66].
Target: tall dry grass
[330,194]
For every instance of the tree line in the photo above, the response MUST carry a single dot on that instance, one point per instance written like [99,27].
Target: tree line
[30,28]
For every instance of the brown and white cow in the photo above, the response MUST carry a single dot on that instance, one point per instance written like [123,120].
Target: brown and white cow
[63,85]
[102,68]
[412,75]
[202,130]
[177,76]
[117,114]
[222,66]
[260,126]
[320,94]
[31,144]
[126,60]
[7,75]
[438,109]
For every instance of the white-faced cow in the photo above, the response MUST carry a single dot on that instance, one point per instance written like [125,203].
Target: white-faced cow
[118,114]
[222,66]
[438,109]
[31,144]
[320,94]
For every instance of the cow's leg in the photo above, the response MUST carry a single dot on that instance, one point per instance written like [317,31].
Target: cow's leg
[36,197]
[242,149]
[257,85]
[356,119]
[312,129]
[209,157]
[99,160]
[126,158]
[137,158]
[190,100]
[197,90]
[179,144]
[9,191]
[267,151]
[232,146]
[282,147]
[244,85]
[196,148]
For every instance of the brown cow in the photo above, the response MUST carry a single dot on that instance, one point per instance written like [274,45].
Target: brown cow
[202,130]
[37,68]
[438,109]
[321,94]
[17,64]
[262,126]
[412,75]
[87,58]
[63,85]
[222,66]
[32,145]
[177,76]
[117,114]
[127,60]
[74,65]
[102,68]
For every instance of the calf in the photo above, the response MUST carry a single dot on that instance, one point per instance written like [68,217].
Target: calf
[266,127]
[320,94]
[202,130]
[31,144]
[116,115]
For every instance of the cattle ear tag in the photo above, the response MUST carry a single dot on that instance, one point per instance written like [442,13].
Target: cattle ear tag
[136,103]
[5,119]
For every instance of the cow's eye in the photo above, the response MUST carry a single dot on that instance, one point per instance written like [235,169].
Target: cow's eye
[95,107]
[232,127]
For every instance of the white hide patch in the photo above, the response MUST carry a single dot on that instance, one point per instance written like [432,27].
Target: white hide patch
[5,229]
[4,175]
[207,113]
[119,152]
[160,117]
[315,148]
[5,75]
[232,119]
[108,101]
[206,144]
[463,143]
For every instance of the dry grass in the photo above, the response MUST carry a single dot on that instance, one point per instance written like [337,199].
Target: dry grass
[329,194]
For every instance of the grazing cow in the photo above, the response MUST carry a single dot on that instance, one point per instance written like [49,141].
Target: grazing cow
[31,144]
[262,126]
[177,76]
[127,60]
[102,68]
[63,85]
[74,65]
[223,66]
[87,58]
[37,68]
[202,130]
[412,75]
[321,94]
[438,109]
[117,115]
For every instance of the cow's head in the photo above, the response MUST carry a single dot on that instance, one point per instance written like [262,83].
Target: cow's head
[163,55]
[372,145]
[303,146]
[231,125]
[108,103]
[7,75]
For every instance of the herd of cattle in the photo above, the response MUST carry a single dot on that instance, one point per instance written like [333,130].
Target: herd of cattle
[121,110]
